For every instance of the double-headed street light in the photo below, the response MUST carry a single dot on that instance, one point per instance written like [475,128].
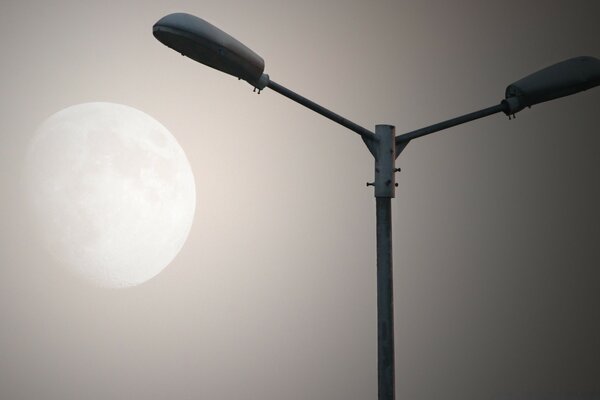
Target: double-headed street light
[199,40]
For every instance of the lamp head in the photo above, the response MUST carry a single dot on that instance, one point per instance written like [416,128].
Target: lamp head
[565,78]
[199,40]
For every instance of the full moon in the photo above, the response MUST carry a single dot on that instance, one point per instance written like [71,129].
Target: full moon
[111,192]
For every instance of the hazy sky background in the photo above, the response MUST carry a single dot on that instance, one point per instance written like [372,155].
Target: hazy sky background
[496,223]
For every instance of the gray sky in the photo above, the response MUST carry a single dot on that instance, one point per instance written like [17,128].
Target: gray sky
[496,224]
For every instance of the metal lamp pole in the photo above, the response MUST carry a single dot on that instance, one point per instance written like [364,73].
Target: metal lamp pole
[203,42]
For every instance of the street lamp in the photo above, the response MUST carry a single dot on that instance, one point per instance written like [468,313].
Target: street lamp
[199,40]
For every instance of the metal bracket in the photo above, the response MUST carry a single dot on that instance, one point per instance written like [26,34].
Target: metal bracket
[385,149]
[385,169]
[400,146]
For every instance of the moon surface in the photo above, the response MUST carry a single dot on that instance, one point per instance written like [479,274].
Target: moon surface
[111,192]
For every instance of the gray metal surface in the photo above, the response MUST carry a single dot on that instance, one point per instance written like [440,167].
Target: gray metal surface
[407,137]
[385,301]
[365,133]
[562,79]
[199,40]
[385,158]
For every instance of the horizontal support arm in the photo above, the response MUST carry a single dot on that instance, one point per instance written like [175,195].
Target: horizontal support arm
[366,134]
[407,137]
